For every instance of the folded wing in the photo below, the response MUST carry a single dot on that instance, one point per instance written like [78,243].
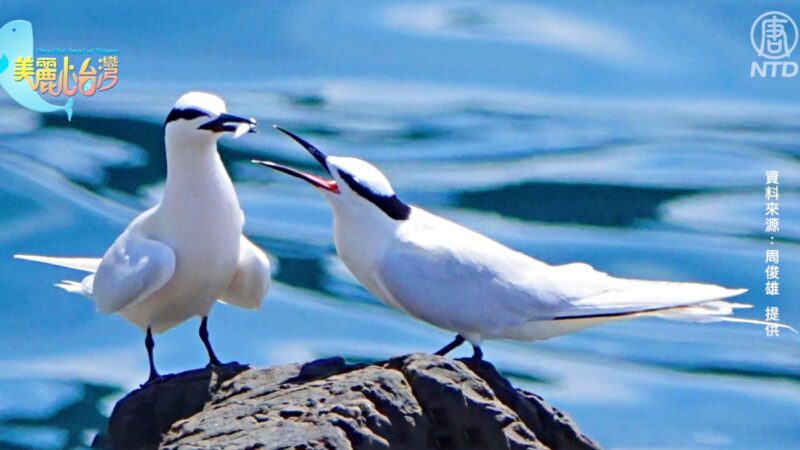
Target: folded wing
[132,270]
[587,292]
[251,281]
[461,280]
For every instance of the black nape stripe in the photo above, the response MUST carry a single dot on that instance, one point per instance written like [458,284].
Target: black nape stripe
[187,114]
[391,205]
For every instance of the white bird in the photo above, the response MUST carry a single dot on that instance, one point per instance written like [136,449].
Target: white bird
[462,281]
[175,260]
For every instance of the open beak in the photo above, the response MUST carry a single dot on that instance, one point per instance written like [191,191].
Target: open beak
[229,122]
[319,182]
[328,185]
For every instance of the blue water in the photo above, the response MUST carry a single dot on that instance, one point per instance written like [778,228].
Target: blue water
[624,134]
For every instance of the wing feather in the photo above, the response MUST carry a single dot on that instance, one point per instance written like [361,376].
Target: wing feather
[590,293]
[251,281]
[132,269]
[461,280]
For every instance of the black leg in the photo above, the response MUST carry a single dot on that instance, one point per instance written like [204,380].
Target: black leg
[212,358]
[150,345]
[449,347]
[477,354]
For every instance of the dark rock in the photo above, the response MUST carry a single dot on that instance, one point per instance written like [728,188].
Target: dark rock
[413,402]
[141,418]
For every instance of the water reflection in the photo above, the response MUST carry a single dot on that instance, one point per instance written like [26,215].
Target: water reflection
[568,150]
[636,210]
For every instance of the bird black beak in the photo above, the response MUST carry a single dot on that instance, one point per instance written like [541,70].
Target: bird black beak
[315,152]
[328,185]
[229,122]
[318,182]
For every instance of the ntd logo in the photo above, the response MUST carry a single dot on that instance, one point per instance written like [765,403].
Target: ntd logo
[774,38]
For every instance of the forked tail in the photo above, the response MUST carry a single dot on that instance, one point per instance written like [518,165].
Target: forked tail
[714,311]
[83,264]
[686,302]
[83,287]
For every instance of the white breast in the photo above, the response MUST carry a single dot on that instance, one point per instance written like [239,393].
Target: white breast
[200,219]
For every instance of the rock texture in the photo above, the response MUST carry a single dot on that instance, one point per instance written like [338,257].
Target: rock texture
[412,402]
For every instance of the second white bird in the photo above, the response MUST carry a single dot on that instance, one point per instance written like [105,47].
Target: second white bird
[462,281]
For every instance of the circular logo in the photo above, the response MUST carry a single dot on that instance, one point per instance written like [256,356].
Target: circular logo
[774,35]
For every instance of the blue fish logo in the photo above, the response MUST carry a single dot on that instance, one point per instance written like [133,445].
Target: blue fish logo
[16,39]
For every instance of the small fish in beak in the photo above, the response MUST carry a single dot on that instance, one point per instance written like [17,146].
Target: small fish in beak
[243,128]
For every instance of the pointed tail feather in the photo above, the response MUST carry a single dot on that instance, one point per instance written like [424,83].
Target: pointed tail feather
[713,311]
[84,264]
[760,322]
[685,302]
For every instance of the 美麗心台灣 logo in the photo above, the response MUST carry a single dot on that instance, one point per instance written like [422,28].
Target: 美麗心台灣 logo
[56,72]
[774,38]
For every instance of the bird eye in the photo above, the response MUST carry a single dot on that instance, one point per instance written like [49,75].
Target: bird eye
[13,30]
